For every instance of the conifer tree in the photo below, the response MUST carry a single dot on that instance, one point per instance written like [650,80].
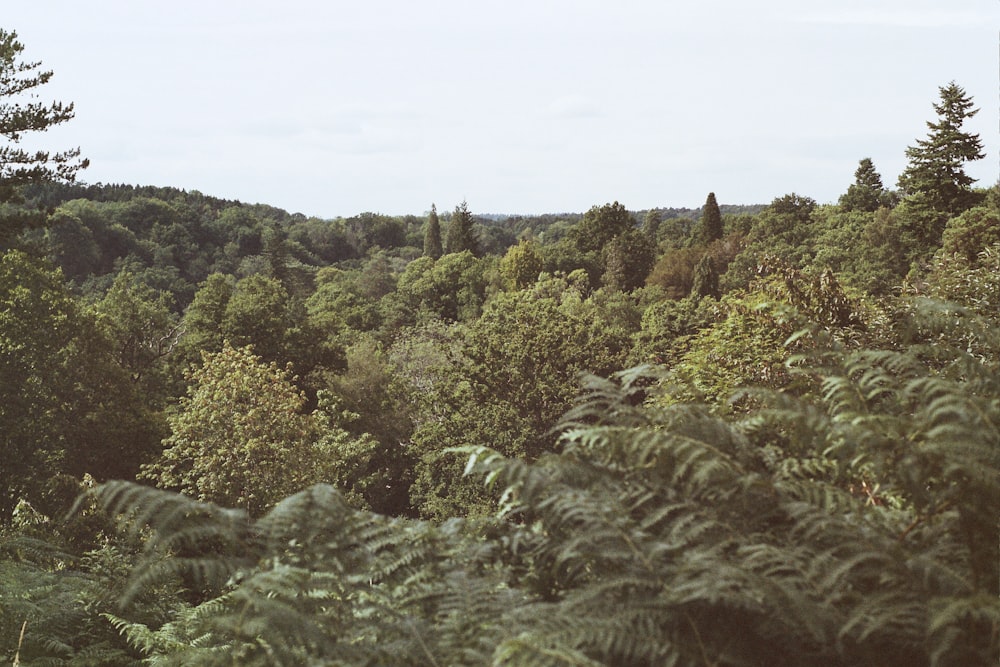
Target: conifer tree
[432,235]
[20,113]
[935,176]
[706,279]
[709,228]
[460,234]
[867,192]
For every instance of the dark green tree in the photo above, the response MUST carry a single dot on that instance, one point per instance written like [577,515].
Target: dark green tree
[599,225]
[20,114]
[935,175]
[432,235]
[867,192]
[628,259]
[709,227]
[461,236]
[706,279]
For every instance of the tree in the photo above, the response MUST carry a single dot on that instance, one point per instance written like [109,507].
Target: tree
[461,236]
[516,372]
[935,175]
[140,325]
[239,437]
[709,227]
[867,192]
[628,259]
[521,265]
[599,225]
[972,232]
[705,281]
[20,114]
[38,319]
[432,235]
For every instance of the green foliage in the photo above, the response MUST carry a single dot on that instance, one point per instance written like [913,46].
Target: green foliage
[450,288]
[522,264]
[21,113]
[461,236]
[705,281]
[709,227]
[854,526]
[378,410]
[935,177]
[141,326]
[971,232]
[599,225]
[674,271]
[239,437]
[666,326]
[516,373]
[432,235]
[867,192]
[628,259]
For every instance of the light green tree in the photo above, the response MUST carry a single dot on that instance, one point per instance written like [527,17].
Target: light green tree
[239,436]
[521,265]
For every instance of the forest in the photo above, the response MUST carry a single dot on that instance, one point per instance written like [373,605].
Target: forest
[737,435]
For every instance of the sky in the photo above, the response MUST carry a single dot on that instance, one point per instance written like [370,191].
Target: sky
[333,108]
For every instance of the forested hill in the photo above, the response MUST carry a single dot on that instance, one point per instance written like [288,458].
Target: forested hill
[173,239]
[748,436]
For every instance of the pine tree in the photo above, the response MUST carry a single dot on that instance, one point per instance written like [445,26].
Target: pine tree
[935,176]
[460,234]
[432,235]
[867,193]
[709,228]
[21,114]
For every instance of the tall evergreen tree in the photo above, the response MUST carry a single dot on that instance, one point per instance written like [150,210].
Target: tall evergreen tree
[709,227]
[867,192]
[706,279]
[461,237]
[20,113]
[432,235]
[935,177]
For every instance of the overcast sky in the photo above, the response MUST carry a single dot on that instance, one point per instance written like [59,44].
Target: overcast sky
[523,106]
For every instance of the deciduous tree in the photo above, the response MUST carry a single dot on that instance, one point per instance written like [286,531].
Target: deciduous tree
[239,437]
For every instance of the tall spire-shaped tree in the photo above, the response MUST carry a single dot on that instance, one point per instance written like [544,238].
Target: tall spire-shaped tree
[460,234]
[935,176]
[709,228]
[432,235]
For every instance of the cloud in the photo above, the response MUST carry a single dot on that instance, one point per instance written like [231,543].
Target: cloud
[573,107]
[904,18]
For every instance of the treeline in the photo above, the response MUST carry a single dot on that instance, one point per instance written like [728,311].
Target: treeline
[801,467]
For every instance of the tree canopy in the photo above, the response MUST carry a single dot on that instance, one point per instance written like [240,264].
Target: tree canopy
[21,114]
[936,173]
[546,447]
